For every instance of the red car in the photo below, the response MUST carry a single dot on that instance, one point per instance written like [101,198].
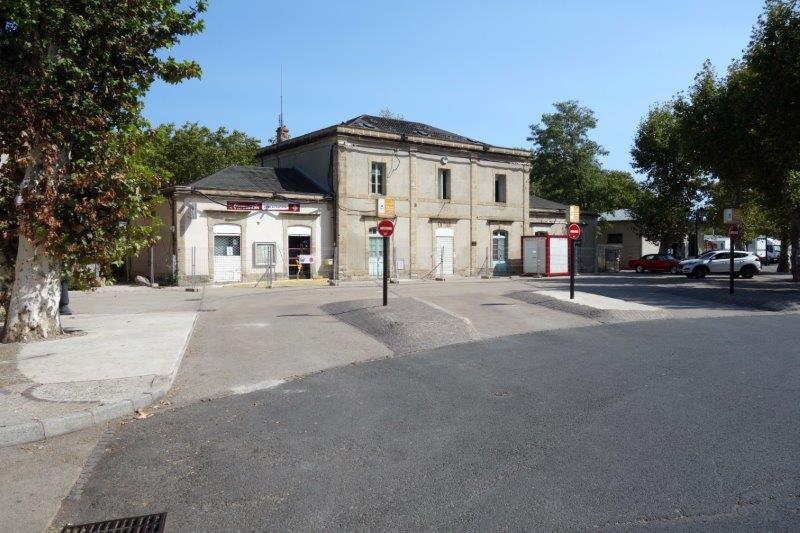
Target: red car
[655,263]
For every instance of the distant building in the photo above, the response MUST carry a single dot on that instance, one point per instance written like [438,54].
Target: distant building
[619,241]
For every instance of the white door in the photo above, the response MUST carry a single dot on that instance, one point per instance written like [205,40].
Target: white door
[444,252]
[227,253]
[375,254]
[500,252]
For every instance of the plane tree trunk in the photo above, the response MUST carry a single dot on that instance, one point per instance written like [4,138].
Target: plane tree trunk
[33,303]
[32,307]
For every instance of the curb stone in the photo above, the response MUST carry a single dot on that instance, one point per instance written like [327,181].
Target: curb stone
[40,429]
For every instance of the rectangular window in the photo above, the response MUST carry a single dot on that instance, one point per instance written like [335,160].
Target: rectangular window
[377,183]
[444,184]
[614,238]
[263,254]
[500,188]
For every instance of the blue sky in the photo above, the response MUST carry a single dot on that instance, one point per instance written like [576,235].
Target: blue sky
[482,69]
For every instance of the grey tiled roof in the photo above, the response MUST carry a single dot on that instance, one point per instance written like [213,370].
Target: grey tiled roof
[544,203]
[620,215]
[259,179]
[405,127]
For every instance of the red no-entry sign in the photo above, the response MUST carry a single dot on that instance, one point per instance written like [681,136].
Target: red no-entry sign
[574,232]
[733,230]
[386,228]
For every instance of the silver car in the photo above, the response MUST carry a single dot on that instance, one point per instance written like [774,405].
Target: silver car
[745,264]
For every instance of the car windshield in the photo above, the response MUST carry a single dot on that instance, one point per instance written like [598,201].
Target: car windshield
[706,254]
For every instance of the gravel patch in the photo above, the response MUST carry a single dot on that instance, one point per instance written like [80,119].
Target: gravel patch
[406,325]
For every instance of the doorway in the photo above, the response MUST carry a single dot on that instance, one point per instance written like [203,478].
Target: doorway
[227,253]
[500,252]
[444,252]
[375,254]
[299,256]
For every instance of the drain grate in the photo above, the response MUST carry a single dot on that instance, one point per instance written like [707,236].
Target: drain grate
[151,523]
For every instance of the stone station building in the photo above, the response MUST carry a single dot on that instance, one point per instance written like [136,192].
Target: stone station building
[460,206]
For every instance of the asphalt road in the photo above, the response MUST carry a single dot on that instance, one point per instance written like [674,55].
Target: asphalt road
[670,424]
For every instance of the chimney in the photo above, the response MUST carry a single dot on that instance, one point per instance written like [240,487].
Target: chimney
[281,134]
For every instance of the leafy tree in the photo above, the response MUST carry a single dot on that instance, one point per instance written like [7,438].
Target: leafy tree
[674,185]
[192,151]
[745,126]
[70,96]
[566,166]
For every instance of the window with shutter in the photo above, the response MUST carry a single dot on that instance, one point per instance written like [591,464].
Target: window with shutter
[500,188]
[378,178]
[444,184]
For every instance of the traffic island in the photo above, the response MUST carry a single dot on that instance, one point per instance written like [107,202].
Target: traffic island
[110,366]
[594,306]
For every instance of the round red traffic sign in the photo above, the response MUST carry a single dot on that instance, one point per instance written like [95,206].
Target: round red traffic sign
[733,230]
[574,232]
[386,228]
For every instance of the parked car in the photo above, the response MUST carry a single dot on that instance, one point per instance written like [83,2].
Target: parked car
[655,263]
[745,264]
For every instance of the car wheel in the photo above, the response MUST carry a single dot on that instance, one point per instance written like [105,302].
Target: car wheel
[639,269]
[748,272]
[673,270]
[699,273]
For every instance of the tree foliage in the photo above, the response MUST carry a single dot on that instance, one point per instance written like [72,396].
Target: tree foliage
[566,162]
[73,76]
[192,151]
[744,127]
[388,113]
[70,96]
[674,185]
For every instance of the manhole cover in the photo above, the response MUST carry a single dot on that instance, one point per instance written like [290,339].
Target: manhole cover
[151,523]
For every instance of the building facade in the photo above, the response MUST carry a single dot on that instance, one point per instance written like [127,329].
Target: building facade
[243,223]
[619,241]
[460,206]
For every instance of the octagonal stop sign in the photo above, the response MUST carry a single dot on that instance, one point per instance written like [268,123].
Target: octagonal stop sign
[385,228]
[574,232]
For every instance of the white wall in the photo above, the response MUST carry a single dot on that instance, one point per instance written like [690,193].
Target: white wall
[257,226]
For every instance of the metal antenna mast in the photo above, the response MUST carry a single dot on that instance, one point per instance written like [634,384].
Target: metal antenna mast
[280,117]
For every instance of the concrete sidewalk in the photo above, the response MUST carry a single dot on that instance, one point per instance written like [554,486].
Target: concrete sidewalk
[106,366]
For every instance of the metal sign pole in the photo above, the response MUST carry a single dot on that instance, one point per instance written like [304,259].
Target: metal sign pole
[730,290]
[385,270]
[572,269]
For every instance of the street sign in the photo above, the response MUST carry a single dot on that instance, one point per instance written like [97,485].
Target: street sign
[730,215]
[574,214]
[386,228]
[733,231]
[574,232]
[243,206]
[386,207]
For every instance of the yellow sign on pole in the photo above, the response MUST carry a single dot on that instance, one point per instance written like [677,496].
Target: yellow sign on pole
[386,207]
[573,214]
